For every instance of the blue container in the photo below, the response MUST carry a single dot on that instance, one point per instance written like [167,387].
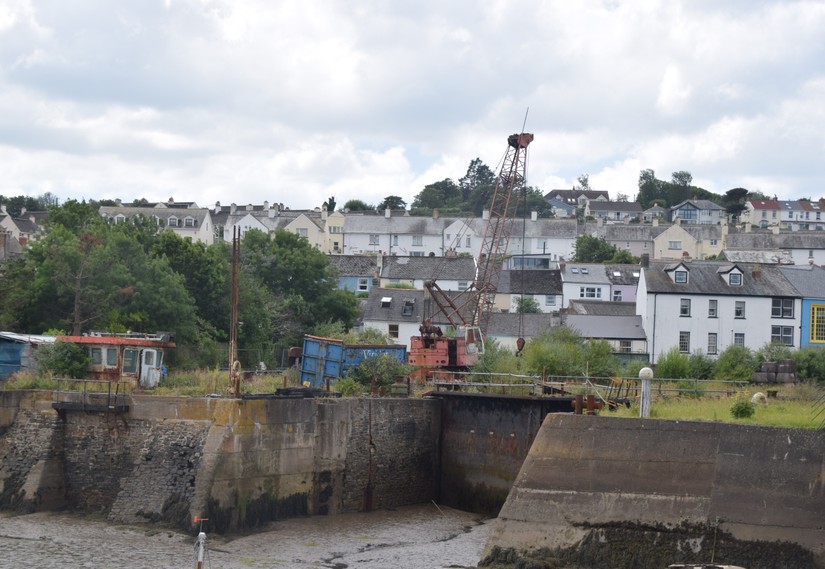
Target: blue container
[325,360]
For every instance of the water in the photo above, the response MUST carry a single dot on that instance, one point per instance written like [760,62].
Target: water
[420,537]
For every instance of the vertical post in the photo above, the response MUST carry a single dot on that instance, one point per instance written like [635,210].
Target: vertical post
[234,370]
[201,546]
[645,374]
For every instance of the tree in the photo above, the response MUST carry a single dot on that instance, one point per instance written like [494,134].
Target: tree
[735,363]
[584,183]
[682,178]
[623,257]
[330,204]
[392,202]
[734,202]
[648,188]
[673,365]
[445,193]
[357,205]
[527,305]
[591,249]
[478,174]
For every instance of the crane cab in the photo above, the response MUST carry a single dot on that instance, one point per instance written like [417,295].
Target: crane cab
[432,351]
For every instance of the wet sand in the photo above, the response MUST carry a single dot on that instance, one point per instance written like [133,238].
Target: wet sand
[419,537]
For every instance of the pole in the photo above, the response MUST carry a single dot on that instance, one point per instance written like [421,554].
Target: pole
[645,374]
[234,365]
[201,545]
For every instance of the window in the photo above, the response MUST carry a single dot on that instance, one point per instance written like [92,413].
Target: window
[674,245]
[739,339]
[467,242]
[764,213]
[463,285]
[111,357]
[617,296]
[549,300]
[817,324]
[96,355]
[173,221]
[416,253]
[407,309]
[684,342]
[189,222]
[418,240]
[735,279]
[392,330]
[713,242]
[681,277]
[782,335]
[684,307]
[810,253]
[149,358]
[373,239]
[625,346]
[395,241]
[120,218]
[713,346]
[130,359]
[739,309]
[363,285]
[386,301]
[713,306]
[336,229]
[302,232]
[782,308]
[590,292]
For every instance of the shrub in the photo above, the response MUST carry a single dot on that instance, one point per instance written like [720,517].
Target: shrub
[496,359]
[558,352]
[772,352]
[810,364]
[742,409]
[348,387]
[382,369]
[735,363]
[601,362]
[62,359]
[673,365]
[701,366]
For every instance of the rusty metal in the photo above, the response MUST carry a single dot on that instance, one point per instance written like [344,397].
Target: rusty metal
[234,364]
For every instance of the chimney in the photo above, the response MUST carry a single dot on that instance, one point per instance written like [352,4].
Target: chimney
[655,222]
[485,214]
[3,209]
[270,213]
[276,208]
[747,228]
[696,198]
[757,271]
[266,204]
[387,213]
[22,212]
[233,208]
[435,213]
[118,202]
[534,215]
[324,214]
[562,264]
[249,207]
[644,260]
[775,229]
[217,207]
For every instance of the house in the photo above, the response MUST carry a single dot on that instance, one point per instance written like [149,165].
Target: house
[543,286]
[391,234]
[398,313]
[23,228]
[625,334]
[309,224]
[506,328]
[706,306]
[764,256]
[637,239]
[599,308]
[623,281]
[805,248]
[584,280]
[809,281]
[9,246]
[577,197]
[698,212]
[194,224]
[357,273]
[451,273]
[656,212]
[613,212]
[535,236]
[794,216]
[764,213]
[334,231]
[692,241]
[561,209]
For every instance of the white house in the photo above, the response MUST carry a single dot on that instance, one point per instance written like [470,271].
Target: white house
[707,306]
[190,223]
[392,234]
[585,281]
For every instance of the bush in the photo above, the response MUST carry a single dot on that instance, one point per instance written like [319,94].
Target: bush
[348,387]
[601,362]
[701,366]
[742,409]
[558,352]
[496,359]
[810,364]
[735,363]
[772,352]
[383,370]
[62,359]
[673,365]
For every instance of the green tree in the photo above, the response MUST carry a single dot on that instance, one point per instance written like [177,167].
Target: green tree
[445,193]
[358,205]
[380,371]
[701,365]
[810,364]
[682,178]
[623,257]
[556,352]
[735,363]
[591,249]
[392,203]
[734,202]
[673,365]
[527,305]
[62,359]
[478,174]
[599,359]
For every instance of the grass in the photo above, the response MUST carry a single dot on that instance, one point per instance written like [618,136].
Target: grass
[799,407]
[199,383]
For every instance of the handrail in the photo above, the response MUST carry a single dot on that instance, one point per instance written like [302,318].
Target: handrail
[90,394]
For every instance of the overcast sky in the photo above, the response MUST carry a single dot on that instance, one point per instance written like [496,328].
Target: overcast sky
[297,101]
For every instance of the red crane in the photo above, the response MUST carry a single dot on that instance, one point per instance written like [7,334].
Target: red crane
[469,312]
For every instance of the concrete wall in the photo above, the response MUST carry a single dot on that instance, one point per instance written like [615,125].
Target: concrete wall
[240,463]
[607,492]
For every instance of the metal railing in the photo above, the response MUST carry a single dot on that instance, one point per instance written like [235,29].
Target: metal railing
[91,395]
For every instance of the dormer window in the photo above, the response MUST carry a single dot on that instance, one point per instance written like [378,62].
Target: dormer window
[680,277]
[574,270]
[386,301]
[407,309]
[585,270]
[735,279]
[173,221]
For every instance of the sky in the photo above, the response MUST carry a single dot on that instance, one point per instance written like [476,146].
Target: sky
[295,102]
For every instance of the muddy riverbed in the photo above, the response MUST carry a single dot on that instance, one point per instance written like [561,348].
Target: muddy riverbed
[417,537]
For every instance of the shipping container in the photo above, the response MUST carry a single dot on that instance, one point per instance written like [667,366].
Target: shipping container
[325,360]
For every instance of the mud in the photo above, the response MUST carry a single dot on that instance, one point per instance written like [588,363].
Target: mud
[420,537]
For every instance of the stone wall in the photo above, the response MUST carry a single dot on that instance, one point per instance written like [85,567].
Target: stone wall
[605,492]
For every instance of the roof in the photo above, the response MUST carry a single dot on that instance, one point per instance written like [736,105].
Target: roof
[623,275]
[512,324]
[585,273]
[354,265]
[395,225]
[764,204]
[27,338]
[150,212]
[607,327]
[698,204]
[706,277]
[377,307]
[572,196]
[530,281]
[769,257]
[429,268]
[781,241]
[601,308]
[809,280]
[614,206]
